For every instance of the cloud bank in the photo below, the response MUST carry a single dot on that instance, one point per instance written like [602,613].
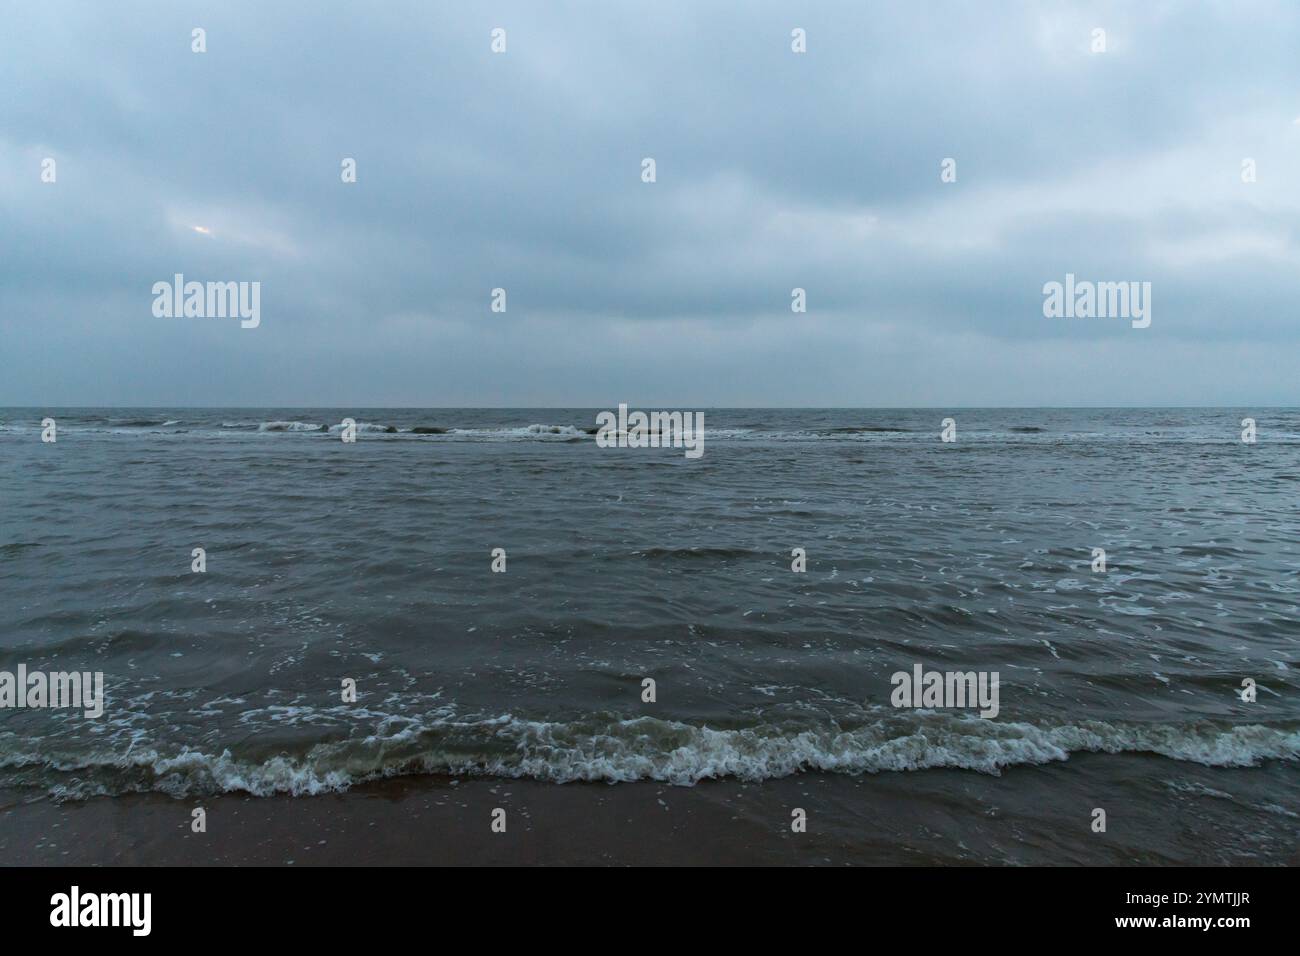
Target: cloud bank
[775,170]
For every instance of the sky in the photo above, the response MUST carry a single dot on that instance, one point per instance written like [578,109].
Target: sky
[774,170]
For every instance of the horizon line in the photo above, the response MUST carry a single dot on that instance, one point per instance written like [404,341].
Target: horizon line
[678,405]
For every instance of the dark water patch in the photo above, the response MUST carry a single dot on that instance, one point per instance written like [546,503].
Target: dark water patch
[17,547]
[697,554]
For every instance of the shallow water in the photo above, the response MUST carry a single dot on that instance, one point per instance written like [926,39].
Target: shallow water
[372,561]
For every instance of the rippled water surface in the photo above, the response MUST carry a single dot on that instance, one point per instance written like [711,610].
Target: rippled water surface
[372,561]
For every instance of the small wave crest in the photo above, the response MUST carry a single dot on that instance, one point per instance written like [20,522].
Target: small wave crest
[368,427]
[288,427]
[525,432]
[618,751]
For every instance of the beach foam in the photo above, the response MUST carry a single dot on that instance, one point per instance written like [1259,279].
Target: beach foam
[618,751]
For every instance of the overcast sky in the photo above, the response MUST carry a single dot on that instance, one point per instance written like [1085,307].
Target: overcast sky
[775,170]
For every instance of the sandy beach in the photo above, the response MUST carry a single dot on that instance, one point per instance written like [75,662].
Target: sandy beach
[1029,815]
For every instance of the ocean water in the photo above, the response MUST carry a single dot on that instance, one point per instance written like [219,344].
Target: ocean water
[372,562]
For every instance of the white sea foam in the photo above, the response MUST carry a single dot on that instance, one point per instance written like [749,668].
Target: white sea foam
[365,427]
[524,432]
[289,427]
[650,749]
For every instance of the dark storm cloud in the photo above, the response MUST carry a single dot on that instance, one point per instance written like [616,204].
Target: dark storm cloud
[522,170]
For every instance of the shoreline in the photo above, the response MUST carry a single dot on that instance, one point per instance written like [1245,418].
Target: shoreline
[1031,815]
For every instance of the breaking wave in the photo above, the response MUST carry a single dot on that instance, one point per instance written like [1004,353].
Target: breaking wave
[529,431]
[289,427]
[619,751]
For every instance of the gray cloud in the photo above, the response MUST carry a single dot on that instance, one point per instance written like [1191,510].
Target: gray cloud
[775,170]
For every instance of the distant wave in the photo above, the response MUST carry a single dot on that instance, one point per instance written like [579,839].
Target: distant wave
[646,748]
[316,427]
[289,427]
[504,432]
[529,431]
[368,427]
[787,428]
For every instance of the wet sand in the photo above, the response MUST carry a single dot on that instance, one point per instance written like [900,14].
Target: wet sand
[1189,814]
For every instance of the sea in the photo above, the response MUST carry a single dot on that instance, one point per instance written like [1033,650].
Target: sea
[490,593]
